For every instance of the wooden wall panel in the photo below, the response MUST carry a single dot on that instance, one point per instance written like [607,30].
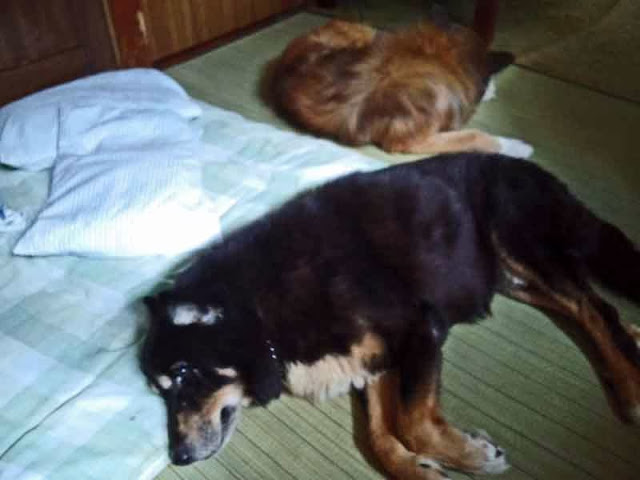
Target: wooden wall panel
[209,19]
[243,13]
[46,42]
[31,32]
[40,74]
[265,8]
[170,25]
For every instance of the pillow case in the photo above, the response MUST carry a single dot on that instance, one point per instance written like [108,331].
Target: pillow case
[127,203]
[30,135]
[130,185]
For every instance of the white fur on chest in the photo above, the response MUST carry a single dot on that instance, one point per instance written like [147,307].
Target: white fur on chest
[334,375]
[327,378]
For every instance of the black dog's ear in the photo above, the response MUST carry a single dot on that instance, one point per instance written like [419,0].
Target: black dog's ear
[151,302]
[155,303]
[499,60]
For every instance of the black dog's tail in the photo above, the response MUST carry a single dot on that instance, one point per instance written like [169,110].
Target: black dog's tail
[543,225]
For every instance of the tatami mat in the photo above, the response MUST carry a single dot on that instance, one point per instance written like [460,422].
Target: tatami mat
[589,42]
[514,375]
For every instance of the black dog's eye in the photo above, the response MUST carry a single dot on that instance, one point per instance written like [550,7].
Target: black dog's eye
[226,413]
[179,368]
[180,371]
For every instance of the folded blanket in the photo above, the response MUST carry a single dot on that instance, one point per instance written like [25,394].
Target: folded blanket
[10,220]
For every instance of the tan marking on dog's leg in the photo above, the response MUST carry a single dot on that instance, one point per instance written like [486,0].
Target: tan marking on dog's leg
[423,429]
[580,313]
[468,140]
[382,403]
[454,141]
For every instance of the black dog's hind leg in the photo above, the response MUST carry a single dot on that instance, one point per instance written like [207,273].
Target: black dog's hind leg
[593,324]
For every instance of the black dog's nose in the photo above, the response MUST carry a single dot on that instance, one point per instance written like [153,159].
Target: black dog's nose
[181,456]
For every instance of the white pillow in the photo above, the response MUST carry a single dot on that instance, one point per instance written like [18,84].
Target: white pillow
[30,128]
[127,203]
[28,140]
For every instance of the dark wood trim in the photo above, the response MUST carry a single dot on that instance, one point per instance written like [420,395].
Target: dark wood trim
[289,4]
[192,52]
[326,3]
[60,42]
[134,46]
[112,32]
[485,19]
[44,73]
[94,31]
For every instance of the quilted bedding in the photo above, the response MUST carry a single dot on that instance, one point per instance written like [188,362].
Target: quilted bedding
[73,403]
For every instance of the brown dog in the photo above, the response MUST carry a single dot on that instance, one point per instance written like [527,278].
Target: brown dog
[407,92]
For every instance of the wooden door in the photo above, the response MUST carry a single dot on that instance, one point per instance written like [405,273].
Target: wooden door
[45,42]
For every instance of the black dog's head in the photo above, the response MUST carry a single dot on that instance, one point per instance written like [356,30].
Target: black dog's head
[207,361]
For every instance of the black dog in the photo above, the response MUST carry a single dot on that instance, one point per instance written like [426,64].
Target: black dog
[357,283]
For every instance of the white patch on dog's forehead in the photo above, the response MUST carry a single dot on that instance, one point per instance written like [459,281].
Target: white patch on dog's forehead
[227,372]
[184,314]
[164,382]
[188,314]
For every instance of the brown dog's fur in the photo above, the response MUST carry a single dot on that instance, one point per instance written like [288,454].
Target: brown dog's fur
[400,91]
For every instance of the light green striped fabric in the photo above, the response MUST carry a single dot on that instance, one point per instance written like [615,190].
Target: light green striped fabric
[73,403]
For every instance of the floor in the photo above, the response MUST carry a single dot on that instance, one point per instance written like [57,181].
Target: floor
[514,375]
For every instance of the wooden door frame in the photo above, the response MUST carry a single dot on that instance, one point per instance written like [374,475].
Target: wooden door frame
[134,44]
[485,18]
[129,32]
